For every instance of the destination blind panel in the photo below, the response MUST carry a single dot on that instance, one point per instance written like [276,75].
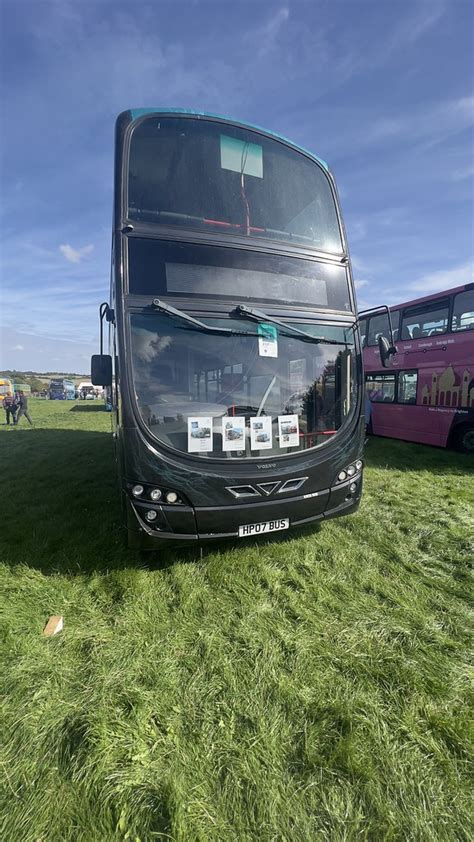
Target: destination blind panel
[157,267]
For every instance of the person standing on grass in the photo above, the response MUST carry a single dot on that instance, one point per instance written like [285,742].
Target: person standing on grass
[23,410]
[10,407]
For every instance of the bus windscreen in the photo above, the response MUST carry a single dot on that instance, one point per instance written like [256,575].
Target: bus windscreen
[199,174]
[290,396]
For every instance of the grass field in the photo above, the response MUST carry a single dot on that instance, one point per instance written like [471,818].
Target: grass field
[309,688]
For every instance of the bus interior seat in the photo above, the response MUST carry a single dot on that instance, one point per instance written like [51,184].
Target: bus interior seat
[435,331]
[416,332]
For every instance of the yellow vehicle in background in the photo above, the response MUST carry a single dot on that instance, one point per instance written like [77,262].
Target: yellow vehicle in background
[6,388]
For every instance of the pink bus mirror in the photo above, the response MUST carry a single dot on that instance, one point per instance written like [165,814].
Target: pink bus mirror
[385,350]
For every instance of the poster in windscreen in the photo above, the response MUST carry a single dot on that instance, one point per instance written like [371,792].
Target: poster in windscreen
[288,430]
[200,434]
[261,433]
[233,433]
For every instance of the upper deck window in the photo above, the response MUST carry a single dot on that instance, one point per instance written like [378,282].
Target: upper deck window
[200,174]
[463,311]
[425,320]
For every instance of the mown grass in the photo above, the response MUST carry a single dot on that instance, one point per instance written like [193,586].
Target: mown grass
[309,688]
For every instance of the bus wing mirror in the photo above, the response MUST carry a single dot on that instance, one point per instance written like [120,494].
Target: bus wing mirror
[101,370]
[385,350]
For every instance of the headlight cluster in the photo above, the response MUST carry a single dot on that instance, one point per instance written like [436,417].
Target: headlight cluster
[349,472]
[156,495]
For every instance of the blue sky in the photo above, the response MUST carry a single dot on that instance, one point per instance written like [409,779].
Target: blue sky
[381,90]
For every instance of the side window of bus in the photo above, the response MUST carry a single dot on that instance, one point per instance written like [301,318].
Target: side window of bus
[407,383]
[425,320]
[363,332]
[380,388]
[378,325]
[463,311]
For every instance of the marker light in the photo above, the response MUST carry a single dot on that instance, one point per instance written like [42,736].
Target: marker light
[137,490]
[353,487]
[171,497]
[155,494]
[151,515]
[359,465]
[351,470]
[342,476]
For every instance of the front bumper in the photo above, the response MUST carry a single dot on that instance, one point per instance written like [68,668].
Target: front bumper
[180,525]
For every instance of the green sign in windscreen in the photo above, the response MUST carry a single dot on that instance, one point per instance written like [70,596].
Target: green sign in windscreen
[188,172]
[242,157]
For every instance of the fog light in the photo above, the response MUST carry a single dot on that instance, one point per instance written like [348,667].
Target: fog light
[171,497]
[137,490]
[342,476]
[151,515]
[351,471]
[353,487]
[359,465]
[155,494]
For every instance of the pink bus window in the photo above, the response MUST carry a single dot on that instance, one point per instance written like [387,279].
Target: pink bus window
[407,383]
[425,320]
[463,311]
[380,388]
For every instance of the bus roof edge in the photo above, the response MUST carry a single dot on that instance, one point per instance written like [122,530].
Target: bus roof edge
[142,112]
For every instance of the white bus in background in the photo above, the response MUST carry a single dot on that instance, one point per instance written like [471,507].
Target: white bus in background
[87,391]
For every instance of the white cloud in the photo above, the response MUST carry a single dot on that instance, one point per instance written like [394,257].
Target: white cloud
[75,255]
[431,124]
[444,279]
[41,354]
[267,34]
[358,264]
[360,284]
[414,27]
[461,174]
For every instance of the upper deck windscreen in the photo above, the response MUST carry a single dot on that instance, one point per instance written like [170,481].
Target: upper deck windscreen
[211,176]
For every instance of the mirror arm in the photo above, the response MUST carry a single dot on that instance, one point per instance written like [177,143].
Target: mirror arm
[104,310]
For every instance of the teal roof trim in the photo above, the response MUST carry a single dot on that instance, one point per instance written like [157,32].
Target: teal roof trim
[141,112]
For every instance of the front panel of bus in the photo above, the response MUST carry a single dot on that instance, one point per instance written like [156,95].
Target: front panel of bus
[237,356]
[61,390]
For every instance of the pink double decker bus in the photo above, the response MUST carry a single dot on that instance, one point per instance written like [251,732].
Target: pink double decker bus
[426,394]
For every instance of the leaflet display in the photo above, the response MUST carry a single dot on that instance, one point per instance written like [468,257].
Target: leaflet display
[233,433]
[261,433]
[288,430]
[200,435]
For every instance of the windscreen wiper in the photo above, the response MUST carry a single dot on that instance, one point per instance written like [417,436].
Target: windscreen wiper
[179,314]
[260,316]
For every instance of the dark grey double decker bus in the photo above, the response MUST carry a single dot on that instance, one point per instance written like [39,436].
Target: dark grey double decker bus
[235,355]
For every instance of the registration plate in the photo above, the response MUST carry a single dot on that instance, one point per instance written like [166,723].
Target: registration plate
[262,528]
